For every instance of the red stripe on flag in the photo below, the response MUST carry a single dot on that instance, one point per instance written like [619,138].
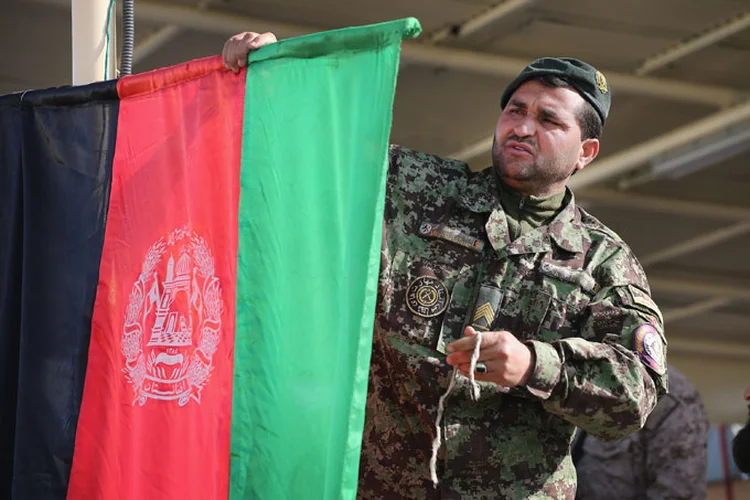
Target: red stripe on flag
[156,412]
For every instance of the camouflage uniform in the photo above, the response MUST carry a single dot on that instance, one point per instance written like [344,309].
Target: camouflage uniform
[571,289]
[666,459]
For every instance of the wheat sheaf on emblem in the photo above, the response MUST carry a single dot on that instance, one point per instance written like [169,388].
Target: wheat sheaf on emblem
[173,320]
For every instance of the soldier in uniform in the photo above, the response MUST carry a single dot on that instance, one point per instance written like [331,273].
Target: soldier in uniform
[665,459]
[741,443]
[569,334]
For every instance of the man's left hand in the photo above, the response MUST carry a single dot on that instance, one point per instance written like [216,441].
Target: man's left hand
[509,361]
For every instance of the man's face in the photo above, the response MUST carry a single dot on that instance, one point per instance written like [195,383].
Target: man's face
[538,142]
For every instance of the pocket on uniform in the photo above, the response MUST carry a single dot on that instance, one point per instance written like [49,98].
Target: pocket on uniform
[522,312]
[566,310]
[420,294]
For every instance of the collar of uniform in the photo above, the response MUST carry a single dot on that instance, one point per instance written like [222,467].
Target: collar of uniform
[543,207]
[480,192]
[566,229]
[481,195]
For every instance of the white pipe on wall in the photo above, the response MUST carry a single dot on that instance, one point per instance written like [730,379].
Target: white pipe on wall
[89,36]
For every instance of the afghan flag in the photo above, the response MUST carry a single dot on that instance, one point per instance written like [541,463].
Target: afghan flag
[188,275]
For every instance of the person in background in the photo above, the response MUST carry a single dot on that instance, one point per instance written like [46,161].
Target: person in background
[741,442]
[666,459]
[569,333]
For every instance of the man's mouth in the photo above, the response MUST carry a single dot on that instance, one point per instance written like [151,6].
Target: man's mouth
[519,147]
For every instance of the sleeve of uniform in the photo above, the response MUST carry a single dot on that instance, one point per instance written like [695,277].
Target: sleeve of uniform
[607,380]
[676,456]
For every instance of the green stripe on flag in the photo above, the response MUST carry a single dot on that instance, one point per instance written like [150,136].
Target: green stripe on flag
[314,158]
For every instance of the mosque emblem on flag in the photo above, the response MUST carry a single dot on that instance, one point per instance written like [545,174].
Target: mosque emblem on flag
[173,321]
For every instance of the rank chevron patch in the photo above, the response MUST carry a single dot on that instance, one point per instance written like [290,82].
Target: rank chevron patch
[486,313]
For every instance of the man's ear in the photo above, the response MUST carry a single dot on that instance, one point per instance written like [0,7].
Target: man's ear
[589,151]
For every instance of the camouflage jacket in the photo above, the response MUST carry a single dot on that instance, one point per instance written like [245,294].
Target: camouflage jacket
[665,459]
[573,290]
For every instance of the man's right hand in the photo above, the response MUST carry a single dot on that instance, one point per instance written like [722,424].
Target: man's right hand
[239,46]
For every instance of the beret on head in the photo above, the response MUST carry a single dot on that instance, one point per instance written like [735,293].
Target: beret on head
[586,79]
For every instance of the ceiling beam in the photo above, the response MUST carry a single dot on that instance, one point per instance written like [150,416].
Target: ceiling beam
[481,21]
[225,23]
[156,40]
[734,350]
[617,164]
[701,307]
[509,67]
[695,43]
[697,243]
[613,198]
[700,285]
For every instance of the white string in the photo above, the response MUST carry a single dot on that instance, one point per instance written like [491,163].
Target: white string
[437,442]
[474,359]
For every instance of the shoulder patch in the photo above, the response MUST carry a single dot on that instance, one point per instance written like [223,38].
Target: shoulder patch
[644,301]
[647,343]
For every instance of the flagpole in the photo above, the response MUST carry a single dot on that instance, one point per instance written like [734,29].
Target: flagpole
[89,36]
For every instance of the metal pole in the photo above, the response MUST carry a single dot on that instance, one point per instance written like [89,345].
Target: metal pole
[89,31]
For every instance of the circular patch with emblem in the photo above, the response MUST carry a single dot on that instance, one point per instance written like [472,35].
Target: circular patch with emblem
[648,345]
[427,296]
[425,228]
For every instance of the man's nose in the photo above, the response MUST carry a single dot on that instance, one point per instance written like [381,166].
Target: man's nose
[524,127]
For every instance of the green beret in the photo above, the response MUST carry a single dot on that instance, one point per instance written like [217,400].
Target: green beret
[586,79]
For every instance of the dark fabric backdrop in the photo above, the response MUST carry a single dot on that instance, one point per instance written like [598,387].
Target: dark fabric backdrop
[56,149]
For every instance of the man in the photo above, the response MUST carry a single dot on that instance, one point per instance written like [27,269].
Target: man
[741,443]
[570,335]
[666,459]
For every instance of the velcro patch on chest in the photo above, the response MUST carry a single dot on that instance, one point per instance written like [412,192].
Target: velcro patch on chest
[578,277]
[647,343]
[452,235]
[488,302]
